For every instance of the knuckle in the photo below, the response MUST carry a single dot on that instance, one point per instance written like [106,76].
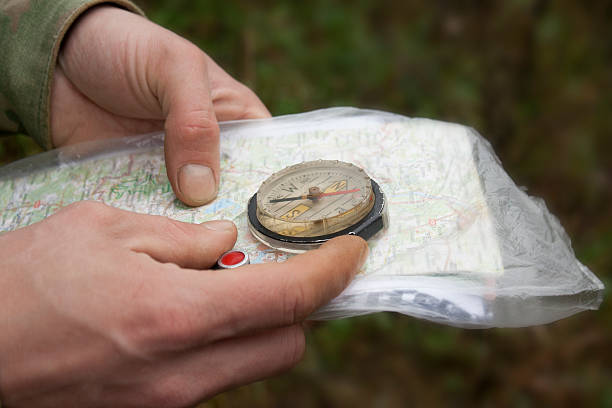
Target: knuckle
[298,302]
[251,99]
[138,329]
[253,112]
[184,48]
[237,92]
[175,231]
[155,327]
[177,49]
[295,347]
[88,211]
[198,127]
[155,322]
[243,101]
[81,206]
[230,94]
[176,329]
[169,391]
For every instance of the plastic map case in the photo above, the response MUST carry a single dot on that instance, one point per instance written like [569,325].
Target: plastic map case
[465,246]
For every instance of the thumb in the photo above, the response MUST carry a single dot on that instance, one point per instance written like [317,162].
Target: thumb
[192,133]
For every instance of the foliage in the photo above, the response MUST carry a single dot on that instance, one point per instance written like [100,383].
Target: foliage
[533,77]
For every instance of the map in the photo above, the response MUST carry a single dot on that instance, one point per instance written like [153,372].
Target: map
[439,221]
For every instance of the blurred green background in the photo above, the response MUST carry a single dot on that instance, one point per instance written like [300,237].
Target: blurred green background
[534,77]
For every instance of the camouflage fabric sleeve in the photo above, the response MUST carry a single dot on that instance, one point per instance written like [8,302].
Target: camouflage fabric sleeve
[31,32]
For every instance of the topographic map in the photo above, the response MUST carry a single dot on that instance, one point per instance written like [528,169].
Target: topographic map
[439,221]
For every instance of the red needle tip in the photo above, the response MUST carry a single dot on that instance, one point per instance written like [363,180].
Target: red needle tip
[340,192]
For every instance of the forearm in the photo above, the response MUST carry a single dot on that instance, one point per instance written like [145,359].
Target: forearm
[31,32]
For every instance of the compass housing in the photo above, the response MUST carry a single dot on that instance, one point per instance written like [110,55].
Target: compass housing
[373,222]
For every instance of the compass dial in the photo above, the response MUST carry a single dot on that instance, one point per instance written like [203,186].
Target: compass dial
[314,198]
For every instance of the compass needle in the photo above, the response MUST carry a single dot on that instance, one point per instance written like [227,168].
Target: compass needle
[312,196]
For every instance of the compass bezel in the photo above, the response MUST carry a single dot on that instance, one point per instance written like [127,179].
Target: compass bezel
[373,222]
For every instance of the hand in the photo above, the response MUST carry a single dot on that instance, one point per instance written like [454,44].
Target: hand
[116,311]
[121,75]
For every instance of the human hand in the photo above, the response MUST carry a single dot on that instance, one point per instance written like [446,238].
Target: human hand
[116,311]
[120,75]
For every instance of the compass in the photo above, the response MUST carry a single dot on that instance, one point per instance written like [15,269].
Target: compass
[304,205]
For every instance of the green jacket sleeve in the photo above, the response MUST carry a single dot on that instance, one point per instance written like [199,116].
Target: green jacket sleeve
[31,32]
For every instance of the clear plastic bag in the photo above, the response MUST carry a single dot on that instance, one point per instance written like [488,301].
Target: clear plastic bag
[464,247]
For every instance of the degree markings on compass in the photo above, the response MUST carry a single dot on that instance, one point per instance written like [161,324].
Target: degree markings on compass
[313,181]
[289,188]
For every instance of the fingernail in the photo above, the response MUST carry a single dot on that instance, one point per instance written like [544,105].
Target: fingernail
[197,183]
[219,225]
[365,252]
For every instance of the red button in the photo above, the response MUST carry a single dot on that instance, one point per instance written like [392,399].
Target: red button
[232,258]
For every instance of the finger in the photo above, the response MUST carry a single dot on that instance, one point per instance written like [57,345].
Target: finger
[192,132]
[255,108]
[233,100]
[196,246]
[238,301]
[166,240]
[237,104]
[200,374]
[289,292]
